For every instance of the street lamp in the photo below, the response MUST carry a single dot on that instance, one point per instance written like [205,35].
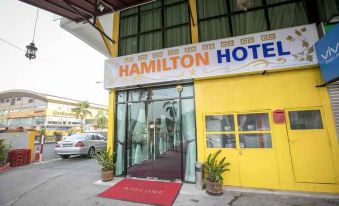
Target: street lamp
[31,49]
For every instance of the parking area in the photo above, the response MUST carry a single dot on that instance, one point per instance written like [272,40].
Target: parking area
[72,182]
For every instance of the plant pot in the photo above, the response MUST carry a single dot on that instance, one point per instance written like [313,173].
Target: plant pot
[106,175]
[213,188]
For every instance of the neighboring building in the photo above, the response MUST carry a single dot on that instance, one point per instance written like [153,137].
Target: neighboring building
[190,77]
[27,110]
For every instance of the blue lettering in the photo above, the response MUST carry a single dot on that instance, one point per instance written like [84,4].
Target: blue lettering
[266,49]
[235,52]
[221,56]
[281,52]
[254,48]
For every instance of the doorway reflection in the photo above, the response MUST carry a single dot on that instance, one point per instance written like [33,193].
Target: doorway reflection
[155,145]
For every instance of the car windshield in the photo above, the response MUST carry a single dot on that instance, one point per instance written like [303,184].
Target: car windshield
[77,137]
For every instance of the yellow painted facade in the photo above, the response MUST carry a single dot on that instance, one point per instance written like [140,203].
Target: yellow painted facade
[271,168]
[111,113]
[31,139]
[277,167]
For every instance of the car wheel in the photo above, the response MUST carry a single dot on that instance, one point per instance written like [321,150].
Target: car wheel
[64,156]
[91,152]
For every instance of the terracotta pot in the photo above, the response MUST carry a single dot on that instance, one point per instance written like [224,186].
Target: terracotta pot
[213,188]
[106,175]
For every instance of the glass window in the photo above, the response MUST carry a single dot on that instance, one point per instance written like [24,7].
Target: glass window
[251,4]
[121,96]
[150,41]
[249,22]
[296,15]
[177,36]
[150,21]
[269,2]
[223,18]
[307,119]
[160,24]
[150,6]
[214,29]
[219,123]
[328,8]
[128,46]
[220,141]
[206,9]
[129,26]
[255,140]
[171,19]
[187,91]
[30,101]
[253,122]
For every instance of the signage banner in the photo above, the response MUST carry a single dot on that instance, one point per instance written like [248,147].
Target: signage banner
[277,49]
[328,54]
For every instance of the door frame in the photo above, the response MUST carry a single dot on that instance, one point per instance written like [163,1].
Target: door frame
[127,102]
[325,128]
[238,150]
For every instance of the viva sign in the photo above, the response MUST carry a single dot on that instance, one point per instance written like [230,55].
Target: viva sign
[278,49]
[328,54]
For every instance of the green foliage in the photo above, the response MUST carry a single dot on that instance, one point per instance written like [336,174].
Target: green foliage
[101,119]
[42,131]
[82,111]
[105,159]
[214,168]
[4,148]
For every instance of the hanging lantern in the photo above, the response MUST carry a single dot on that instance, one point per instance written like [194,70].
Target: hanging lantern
[243,4]
[31,51]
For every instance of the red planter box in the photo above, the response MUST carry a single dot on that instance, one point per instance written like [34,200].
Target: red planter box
[19,157]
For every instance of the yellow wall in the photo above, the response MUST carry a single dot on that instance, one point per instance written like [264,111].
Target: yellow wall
[31,139]
[111,114]
[257,92]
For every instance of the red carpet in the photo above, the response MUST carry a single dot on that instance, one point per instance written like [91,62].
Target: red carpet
[143,191]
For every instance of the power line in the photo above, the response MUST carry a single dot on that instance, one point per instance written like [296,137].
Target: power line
[11,44]
[22,50]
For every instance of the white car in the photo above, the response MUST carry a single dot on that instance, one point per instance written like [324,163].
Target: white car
[80,144]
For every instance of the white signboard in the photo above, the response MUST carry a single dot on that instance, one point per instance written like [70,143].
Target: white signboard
[284,48]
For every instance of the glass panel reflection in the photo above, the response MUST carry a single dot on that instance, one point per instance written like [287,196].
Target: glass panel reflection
[310,119]
[253,122]
[255,141]
[219,123]
[121,96]
[221,141]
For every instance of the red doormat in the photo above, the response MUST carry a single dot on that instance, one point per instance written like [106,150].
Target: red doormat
[143,191]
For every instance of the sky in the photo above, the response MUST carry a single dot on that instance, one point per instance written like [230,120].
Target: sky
[65,66]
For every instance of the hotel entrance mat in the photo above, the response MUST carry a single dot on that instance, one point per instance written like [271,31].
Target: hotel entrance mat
[144,191]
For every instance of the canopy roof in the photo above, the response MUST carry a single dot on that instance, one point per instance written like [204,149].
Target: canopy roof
[75,10]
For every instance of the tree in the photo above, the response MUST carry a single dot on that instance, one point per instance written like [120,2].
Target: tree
[82,111]
[101,119]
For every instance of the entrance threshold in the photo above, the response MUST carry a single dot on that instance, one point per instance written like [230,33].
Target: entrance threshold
[118,179]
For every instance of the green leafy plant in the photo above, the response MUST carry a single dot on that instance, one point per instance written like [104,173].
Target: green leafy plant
[82,111]
[105,159]
[214,168]
[4,148]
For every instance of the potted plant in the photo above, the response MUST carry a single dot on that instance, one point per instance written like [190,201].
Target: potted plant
[105,160]
[4,148]
[213,170]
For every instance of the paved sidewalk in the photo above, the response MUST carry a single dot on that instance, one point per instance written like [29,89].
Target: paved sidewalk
[75,182]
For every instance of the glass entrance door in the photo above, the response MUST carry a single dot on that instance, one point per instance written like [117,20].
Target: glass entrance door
[158,140]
